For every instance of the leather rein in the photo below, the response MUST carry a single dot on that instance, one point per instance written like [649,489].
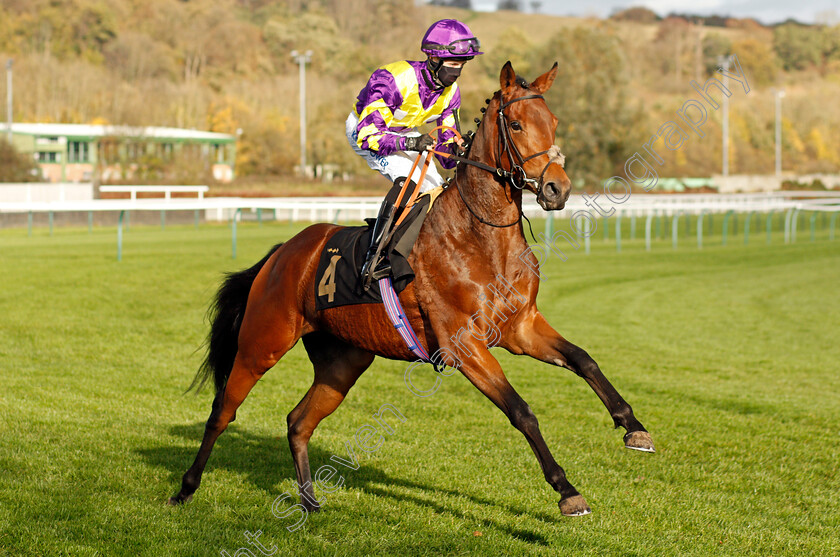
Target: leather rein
[517,176]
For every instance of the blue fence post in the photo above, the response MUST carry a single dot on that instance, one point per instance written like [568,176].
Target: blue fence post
[813,226]
[794,222]
[549,226]
[90,222]
[700,228]
[747,228]
[51,223]
[588,237]
[618,232]
[29,224]
[726,225]
[788,216]
[658,223]
[647,230]
[233,234]
[163,219]
[768,228]
[675,225]
[120,235]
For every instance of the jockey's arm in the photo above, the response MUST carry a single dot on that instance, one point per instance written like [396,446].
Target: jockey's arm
[446,138]
[380,98]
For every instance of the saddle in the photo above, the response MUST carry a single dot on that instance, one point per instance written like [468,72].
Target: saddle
[337,279]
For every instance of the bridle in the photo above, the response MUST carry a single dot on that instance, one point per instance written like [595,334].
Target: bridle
[517,175]
[506,147]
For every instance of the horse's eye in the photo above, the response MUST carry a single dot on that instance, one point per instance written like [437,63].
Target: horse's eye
[515,126]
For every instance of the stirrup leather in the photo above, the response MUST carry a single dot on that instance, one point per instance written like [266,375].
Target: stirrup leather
[376,265]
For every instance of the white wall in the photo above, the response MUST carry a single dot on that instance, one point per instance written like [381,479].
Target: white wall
[36,192]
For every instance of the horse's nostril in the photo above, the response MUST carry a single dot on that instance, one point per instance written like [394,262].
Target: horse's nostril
[550,191]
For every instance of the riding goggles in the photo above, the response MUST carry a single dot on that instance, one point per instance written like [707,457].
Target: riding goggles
[459,47]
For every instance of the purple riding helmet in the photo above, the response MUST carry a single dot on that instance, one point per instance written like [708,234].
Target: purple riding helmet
[448,39]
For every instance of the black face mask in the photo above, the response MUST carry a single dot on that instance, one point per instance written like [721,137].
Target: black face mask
[447,75]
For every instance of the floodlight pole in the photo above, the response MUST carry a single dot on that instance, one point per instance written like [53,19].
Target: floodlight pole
[724,62]
[9,100]
[301,59]
[779,94]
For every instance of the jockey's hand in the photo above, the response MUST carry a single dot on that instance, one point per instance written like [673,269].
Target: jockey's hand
[460,150]
[419,143]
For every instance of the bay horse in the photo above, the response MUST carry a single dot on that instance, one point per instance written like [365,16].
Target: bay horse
[473,226]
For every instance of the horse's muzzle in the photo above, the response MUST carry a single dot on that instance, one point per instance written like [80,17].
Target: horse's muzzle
[553,197]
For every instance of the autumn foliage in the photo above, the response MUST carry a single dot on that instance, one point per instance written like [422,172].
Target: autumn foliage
[225,65]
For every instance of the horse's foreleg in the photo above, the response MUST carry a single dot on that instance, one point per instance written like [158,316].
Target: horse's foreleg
[486,374]
[539,340]
[337,367]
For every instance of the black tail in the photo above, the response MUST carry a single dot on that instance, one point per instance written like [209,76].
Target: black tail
[225,314]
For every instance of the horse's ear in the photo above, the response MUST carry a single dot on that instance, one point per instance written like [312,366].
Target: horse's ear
[508,77]
[543,82]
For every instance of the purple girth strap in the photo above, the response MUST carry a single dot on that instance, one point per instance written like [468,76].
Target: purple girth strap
[397,316]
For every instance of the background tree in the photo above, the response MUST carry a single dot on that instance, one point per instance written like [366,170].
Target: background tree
[797,47]
[673,47]
[225,65]
[599,125]
[758,61]
[16,167]
[513,5]
[513,45]
[636,14]
[715,45]
[463,4]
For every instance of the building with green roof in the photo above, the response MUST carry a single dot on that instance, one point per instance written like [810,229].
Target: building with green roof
[106,153]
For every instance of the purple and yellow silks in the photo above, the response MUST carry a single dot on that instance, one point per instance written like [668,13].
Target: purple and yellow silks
[399,97]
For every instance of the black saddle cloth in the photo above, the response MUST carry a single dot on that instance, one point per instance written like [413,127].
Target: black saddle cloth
[337,280]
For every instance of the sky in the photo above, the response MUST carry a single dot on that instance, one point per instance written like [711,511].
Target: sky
[766,11]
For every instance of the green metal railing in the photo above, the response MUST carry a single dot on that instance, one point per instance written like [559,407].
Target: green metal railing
[700,228]
[654,224]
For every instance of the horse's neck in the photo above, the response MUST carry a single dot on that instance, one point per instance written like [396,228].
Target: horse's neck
[485,195]
[473,195]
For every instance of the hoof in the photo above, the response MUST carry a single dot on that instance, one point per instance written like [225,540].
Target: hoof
[178,500]
[574,506]
[639,441]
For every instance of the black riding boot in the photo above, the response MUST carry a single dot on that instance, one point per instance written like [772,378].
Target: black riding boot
[375,270]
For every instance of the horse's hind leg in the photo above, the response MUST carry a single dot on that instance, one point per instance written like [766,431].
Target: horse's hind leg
[261,345]
[337,366]
[540,341]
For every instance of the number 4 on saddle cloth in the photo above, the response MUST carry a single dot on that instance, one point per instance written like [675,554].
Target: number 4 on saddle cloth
[338,282]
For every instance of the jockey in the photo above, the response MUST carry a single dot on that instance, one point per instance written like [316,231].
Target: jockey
[401,96]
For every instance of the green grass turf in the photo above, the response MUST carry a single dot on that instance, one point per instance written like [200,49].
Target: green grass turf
[727,354]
